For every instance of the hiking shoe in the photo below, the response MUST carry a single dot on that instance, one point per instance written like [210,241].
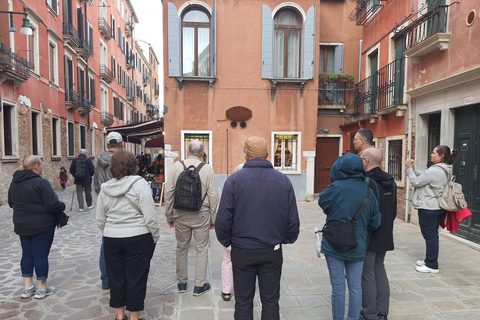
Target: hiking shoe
[382,316]
[198,291]
[45,292]
[28,292]
[182,287]
[425,269]
[420,263]
[90,207]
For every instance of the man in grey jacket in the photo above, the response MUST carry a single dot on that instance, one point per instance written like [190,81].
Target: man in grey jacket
[200,222]
[103,174]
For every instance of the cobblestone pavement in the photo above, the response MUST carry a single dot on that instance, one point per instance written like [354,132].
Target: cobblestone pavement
[454,293]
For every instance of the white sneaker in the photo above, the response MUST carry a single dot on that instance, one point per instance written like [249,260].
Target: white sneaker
[420,263]
[91,207]
[425,269]
[80,210]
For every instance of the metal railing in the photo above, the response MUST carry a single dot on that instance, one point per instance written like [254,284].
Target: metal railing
[69,30]
[86,46]
[11,60]
[364,10]
[107,118]
[85,105]
[381,90]
[73,97]
[334,93]
[105,73]
[105,28]
[431,23]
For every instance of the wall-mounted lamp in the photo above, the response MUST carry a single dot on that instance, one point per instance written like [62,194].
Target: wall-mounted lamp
[26,29]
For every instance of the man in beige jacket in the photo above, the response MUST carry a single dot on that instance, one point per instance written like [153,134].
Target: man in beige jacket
[199,222]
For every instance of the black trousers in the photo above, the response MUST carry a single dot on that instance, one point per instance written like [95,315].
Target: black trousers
[128,264]
[266,264]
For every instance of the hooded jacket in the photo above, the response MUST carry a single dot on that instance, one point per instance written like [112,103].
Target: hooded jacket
[89,166]
[102,170]
[435,176]
[341,200]
[119,219]
[258,208]
[381,239]
[35,205]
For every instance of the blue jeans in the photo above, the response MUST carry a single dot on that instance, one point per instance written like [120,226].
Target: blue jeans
[103,266]
[35,251]
[429,221]
[353,269]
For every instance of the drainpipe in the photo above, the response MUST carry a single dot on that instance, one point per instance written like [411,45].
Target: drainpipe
[409,155]
[360,64]
[87,80]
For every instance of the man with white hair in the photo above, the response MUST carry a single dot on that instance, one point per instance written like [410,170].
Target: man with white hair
[82,170]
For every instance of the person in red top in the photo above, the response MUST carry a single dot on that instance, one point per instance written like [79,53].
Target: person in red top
[63,177]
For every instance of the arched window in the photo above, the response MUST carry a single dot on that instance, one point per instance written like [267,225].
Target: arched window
[196,43]
[288,29]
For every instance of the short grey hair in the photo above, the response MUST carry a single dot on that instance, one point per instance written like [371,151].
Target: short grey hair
[195,148]
[83,151]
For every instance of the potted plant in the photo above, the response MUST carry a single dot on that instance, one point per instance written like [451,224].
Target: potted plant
[325,78]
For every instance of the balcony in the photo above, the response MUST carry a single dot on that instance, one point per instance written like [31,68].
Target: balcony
[107,118]
[334,91]
[152,111]
[85,106]
[380,94]
[128,30]
[13,67]
[130,60]
[364,10]
[70,35]
[85,48]
[72,100]
[104,28]
[105,74]
[427,34]
[130,95]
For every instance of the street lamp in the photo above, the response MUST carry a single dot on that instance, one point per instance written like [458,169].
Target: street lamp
[26,29]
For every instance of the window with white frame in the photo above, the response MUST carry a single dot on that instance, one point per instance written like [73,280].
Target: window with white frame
[196,43]
[32,47]
[56,151]
[286,150]
[71,139]
[204,136]
[104,98]
[53,5]
[286,56]
[36,133]
[395,157]
[53,62]
[83,138]
[10,130]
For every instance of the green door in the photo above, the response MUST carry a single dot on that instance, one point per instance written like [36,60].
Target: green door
[373,82]
[436,23]
[399,69]
[467,141]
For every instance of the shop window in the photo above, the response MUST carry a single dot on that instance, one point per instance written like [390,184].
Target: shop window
[286,150]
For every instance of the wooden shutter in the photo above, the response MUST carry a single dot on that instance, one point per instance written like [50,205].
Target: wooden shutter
[174,42]
[308,45]
[213,43]
[267,42]
[338,59]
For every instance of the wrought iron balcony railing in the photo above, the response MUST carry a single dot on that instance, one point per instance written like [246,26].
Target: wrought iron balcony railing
[106,118]
[85,48]
[85,106]
[335,93]
[70,35]
[364,10]
[381,90]
[72,99]
[105,74]
[104,28]
[15,67]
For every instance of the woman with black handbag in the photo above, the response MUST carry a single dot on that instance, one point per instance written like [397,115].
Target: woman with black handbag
[340,202]
[427,183]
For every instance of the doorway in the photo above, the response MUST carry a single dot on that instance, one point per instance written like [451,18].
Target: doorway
[325,155]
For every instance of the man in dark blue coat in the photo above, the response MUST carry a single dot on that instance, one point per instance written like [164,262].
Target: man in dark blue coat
[83,180]
[257,214]
[375,287]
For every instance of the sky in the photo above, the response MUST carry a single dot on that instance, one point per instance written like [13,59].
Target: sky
[149,29]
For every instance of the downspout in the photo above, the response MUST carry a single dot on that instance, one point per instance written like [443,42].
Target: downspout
[86,73]
[360,64]
[409,155]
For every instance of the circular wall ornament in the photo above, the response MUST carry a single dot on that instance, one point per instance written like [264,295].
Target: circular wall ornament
[233,124]
[471,16]
[238,113]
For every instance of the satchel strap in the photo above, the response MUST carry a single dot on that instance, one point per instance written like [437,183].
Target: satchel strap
[130,201]
[362,206]
[450,178]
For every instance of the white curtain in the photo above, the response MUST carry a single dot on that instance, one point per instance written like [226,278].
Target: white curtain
[188,51]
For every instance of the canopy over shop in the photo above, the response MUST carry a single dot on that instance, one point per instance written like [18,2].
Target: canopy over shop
[134,133]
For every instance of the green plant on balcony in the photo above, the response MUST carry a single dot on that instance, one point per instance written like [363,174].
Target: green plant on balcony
[325,78]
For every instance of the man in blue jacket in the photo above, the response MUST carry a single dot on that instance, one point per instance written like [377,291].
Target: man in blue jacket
[82,170]
[257,214]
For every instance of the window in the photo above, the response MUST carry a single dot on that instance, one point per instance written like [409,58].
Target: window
[69,76]
[196,43]
[83,138]
[36,134]
[331,58]
[32,48]
[104,98]
[113,28]
[91,90]
[433,134]
[204,136]
[10,145]
[285,156]
[395,158]
[92,142]
[114,67]
[71,140]
[55,137]
[53,5]
[81,82]
[288,30]
[51,61]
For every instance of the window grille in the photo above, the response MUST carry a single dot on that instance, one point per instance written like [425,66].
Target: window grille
[395,159]
[206,143]
[285,155]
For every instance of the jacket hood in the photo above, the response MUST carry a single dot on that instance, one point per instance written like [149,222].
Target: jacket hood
[105,158]
[381,177]
[22,175]
[115,188]
[348,166]
[261,163]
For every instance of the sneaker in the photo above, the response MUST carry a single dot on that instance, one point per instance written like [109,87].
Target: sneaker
[182,287]
[28,292]
[198,291]
[425,269]
[420,263]
[90,207]
[382,316]
[45,292]
[80,210]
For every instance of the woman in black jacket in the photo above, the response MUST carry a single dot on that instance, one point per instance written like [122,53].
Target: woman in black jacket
[36,212]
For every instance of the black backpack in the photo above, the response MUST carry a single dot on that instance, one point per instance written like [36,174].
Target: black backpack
[80,169]
[188,190]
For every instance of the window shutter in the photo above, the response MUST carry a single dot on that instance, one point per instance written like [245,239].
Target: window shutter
[338,59]
[213,43]
[308,45]
[67,74]
[80,24]
[174,45]
[92,92]
[267,42]
[90,39]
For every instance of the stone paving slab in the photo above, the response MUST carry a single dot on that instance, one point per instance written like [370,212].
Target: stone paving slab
[452,294]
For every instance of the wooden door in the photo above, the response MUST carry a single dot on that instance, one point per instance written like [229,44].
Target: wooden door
[325,155]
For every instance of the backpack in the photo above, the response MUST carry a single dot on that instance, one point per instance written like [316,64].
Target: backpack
[80,170]
[452,198]
[188,189]
[63,176]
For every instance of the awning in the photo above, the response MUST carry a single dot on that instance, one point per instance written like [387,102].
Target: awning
[156,143]
[135,132]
